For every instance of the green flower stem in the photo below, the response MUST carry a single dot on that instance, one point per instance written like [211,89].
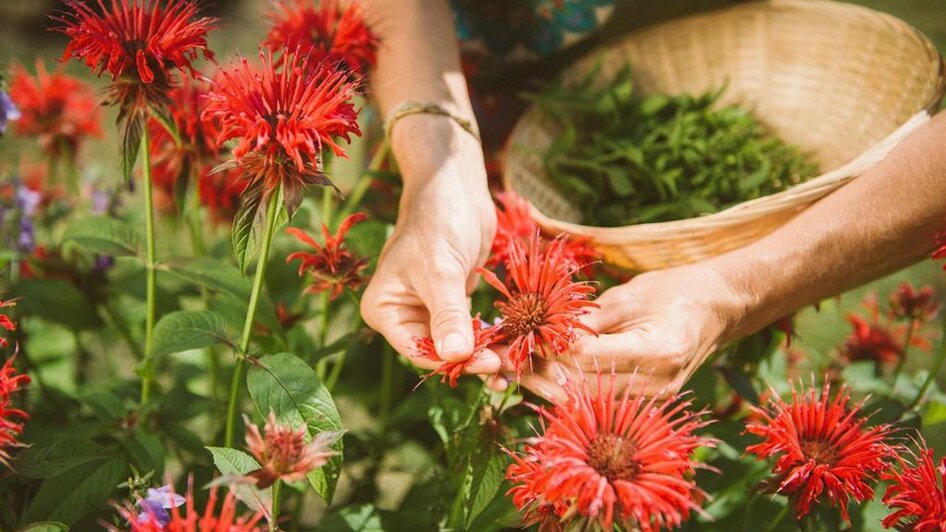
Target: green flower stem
[903,354]
[147,372]
[361,188]
[336,372]
[240,369]
[274,523]
[386,391]
[324,301]
[934,371]
[197,245]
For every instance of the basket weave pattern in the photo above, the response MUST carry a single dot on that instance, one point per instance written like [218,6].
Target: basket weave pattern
[842,82]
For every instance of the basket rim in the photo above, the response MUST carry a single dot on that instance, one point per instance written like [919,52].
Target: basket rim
[796,197]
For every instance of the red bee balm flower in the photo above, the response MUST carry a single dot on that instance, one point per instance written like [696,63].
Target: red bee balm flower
[283,452]
[6,322]
[917,494]
[172,520]
[906,302]
[327,32]
[138,42]
[333,266]
[283,118]
[821,448]
[483,337]
[175,164]
[57,108]
[514,222]
[543,303]
[11,419]
[608,459]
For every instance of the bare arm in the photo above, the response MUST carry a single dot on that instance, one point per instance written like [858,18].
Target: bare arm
[446,220]
[881,222]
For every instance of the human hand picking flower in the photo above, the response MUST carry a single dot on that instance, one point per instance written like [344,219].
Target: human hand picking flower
[654,332]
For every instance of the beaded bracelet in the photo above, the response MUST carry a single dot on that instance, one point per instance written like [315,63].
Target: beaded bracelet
[430,108]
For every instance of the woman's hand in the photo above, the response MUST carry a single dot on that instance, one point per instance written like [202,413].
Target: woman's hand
[427,269]
[653,332]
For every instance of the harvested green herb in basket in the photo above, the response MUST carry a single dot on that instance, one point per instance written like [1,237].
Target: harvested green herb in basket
[625,159]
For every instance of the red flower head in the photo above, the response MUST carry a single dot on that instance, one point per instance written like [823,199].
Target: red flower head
[58,109]
[139,43]
[877,340]
[822,448]
[917,493]
[11,419]
[6,322]
[909,303]
[283,118]
[172,520]
[333,266]
[483,337]
[543,303]
[283,452]
[514,222]
[327,32]
[606,458]
[174,165]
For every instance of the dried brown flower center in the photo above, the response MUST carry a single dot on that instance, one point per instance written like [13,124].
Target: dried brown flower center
[613,457]
[524,313]
[819,450]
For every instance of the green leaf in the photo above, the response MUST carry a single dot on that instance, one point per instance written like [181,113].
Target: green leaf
[108,236]
[104,403]
[147,451]
[286,385]
[56,301]
[46,526]
[486,479]
[223,277]
[57,456]
[131,131]
[249,225]
[184,330]
[235,462]
[77,492]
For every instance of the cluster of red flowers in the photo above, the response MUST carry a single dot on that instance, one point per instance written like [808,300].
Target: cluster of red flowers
[283,117]
[60,110]
[917,494]
[822,448]
[326,32]
[192,156]
[607,459]
[140,43]
[11,419]
[283,453]
[483,337]
[333,266]
[880,338]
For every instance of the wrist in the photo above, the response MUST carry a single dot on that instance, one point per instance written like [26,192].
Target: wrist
[732,303]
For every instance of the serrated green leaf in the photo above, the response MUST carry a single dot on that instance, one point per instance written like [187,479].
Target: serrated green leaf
[105,404]
[131,131]
[249,225]
[286,385]
[184,330]
[486,479]
[235,462]
[76,493]
[57,456]
[108,236]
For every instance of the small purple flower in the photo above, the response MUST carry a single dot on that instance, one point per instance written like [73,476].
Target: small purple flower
[28,200]
[26,241]
[8,112]
[100,202]
[156,505]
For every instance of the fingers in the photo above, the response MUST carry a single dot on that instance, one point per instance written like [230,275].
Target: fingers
[611,312]
[444,295]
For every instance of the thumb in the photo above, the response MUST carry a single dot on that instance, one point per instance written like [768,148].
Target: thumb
[450,323]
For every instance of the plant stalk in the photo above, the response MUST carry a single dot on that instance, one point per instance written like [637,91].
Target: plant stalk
[274,523]
[240,368]
[150,271]
[361,188]
[903,354]
[934,371]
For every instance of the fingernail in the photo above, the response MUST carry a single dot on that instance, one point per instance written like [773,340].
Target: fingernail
[452,344]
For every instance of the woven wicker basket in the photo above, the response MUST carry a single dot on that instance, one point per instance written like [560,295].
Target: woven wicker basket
[842,82]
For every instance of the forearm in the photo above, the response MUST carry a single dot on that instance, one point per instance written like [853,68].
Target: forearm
[418,61]
[881,222]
